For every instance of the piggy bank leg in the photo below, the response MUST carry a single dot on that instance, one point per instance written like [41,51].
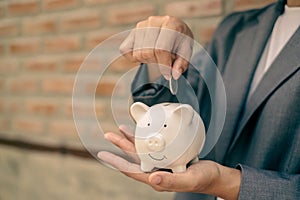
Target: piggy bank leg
[146,167]
[179,168]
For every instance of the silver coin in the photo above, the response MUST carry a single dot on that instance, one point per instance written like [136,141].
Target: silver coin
[173,85]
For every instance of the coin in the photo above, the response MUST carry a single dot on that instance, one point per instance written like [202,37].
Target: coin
[173,85]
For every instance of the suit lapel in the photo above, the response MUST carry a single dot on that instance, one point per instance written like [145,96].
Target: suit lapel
[239,72]
[286,63]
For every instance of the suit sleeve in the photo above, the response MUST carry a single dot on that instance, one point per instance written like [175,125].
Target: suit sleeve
[256,183]
[265,184]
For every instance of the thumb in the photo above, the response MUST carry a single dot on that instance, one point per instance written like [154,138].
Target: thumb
[177,182]
[180,65]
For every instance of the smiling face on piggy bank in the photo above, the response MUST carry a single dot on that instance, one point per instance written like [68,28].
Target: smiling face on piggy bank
[167,135]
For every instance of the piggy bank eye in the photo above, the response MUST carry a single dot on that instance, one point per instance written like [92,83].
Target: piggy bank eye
[148,124]
[165,125]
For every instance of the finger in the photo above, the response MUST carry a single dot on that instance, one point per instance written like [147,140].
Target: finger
[118,162]
[121,142]
[179,182]
[129,169]
[126,48]
[184,46]
[163,58]
[181,36]
[183,51]
[124,144]
[180,65]
[127,133]
[151,35]
[139,36]
[163,51]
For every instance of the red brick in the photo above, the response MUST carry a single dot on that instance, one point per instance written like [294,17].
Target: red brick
[41,64]
[62,43]
[72,63]
[122,65]
[206,34]
[194,8]
[61,85]
[10,106]
[120,110]
[8,66]
[78,21]
[107,126]
[25,125]
[2,85]
[35,26]
[93,2]
[88,63]
[131,14]
[2,49]
[23,85]
[85,110]
[205,31]
[62,128]
[14,106]
[2,12]
[109,85]
[4,125]
[95,38]
[23,7]
[24,46]
[105,88]
[59,4]
[9,28]
[2,102]
[94,129]
[250,4]
[41,107]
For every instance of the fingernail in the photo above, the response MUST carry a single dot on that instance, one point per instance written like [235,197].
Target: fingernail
[156,180]
[106,136]
[167,77]
[100,155]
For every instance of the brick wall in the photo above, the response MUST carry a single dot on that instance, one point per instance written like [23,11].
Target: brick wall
[43,43]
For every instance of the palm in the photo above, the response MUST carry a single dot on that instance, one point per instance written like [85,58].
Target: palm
[196,178]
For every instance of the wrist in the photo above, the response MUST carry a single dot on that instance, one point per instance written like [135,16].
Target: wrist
[225,183]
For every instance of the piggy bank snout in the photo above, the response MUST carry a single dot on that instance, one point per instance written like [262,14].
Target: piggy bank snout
[155,143]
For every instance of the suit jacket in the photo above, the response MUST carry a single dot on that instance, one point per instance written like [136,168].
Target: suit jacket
[260,136]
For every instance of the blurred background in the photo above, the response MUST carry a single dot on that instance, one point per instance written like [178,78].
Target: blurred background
[42,45]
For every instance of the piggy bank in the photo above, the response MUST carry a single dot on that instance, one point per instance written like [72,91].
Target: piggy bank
[167,135]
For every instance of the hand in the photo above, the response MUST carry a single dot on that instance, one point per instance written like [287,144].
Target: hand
[203,177]
[163,40]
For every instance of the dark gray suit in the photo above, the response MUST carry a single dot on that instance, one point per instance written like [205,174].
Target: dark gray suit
[262,136]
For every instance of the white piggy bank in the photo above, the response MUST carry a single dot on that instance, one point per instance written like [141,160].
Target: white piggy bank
[167,135]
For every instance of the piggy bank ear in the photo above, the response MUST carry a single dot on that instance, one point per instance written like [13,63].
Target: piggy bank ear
[185,112]
[137,110]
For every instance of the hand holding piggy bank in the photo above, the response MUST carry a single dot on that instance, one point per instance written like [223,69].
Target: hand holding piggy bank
[167,135]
